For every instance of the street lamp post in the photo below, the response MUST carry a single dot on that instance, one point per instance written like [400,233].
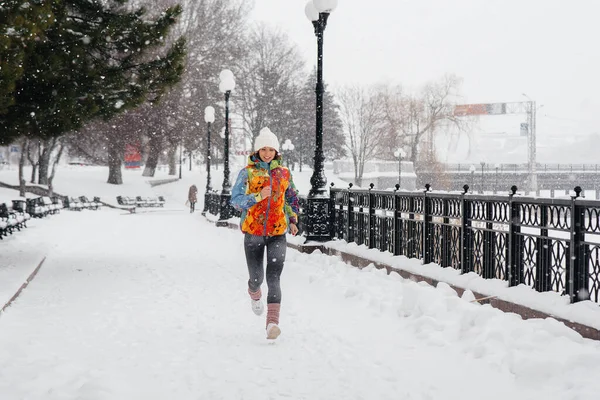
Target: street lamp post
[288,146]
[532,142]
[318,207]
[482,165]
[400,154]
[497,166]
[226,85]
[180,157]
[472,169]
[209,118]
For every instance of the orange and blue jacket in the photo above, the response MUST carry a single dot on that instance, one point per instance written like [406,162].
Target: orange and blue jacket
[272,215]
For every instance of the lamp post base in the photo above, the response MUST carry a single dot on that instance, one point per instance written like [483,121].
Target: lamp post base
[225,211]
[206,202]
[318,218]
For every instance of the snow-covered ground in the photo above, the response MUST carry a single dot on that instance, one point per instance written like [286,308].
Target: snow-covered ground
[154,306]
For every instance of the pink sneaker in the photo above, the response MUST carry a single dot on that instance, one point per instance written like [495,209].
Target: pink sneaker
[273,331]
[257,307]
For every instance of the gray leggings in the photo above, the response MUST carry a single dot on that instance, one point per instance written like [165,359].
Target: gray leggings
[255,251]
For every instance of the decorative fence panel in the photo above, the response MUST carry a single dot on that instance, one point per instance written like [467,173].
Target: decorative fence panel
[547,244]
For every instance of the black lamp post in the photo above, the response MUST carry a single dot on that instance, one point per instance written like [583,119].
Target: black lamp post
[226,85]
[472,170]
[180,157]
[400,154]
[209,118]
[482,165]
[318,207]
[496,185]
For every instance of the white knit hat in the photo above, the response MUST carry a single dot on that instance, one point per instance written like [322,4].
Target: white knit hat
[266,138]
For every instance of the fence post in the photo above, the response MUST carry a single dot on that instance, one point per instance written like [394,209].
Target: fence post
[411,229]
[514,259]
[350,222]
[397,223]
[543,279]
[371,216]
[488,242]
[466,235]
[446,239]
[382,223]
[333,230]
[427,239]
[578,275]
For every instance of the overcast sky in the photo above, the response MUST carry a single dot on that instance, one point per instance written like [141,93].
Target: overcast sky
[547,49]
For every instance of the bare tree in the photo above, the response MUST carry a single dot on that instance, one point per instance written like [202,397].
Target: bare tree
[269,83]
[214,31]
[414,120]
[363,120]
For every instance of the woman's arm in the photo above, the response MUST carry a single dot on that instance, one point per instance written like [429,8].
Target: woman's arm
[239,198]
[291,207]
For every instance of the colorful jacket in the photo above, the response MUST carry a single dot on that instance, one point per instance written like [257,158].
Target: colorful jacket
[269,216]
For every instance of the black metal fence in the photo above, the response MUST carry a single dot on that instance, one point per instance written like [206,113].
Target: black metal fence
[212,201]
[548,244]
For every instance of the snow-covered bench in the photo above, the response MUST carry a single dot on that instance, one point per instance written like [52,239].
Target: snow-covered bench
[49,204]
[150,201]
[10,220]
[19,207]
[36,209]
[91,205]
[73,204]
[57,201]
[126,201]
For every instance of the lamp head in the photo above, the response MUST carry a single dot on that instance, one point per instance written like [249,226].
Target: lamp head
[325,6]
[311,12]
[209,114]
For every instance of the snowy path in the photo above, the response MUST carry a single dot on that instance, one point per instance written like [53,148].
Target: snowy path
[154,306]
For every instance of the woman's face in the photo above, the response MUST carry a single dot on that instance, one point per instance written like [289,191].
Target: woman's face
[267,154]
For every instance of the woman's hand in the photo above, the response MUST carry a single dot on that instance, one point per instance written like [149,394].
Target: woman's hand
[293,229]
[265,192]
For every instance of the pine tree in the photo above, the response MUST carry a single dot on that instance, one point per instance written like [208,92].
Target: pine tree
[21,23]
[96,59]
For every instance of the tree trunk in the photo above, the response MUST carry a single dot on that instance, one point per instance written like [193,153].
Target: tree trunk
[356,172]
[172,160]
[44,161]
[34,163]
[54,164]
[115,162]
[24,145]
[154,146]
[413,150]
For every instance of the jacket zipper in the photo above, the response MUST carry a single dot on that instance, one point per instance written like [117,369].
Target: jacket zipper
[268,201]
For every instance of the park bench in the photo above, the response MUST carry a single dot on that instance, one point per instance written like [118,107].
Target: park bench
[11,220]
[19,207]
[73,204]
[126,201]
[140,201]
[35,209]
[150,201]
[91,205]
[49,204]
[57,201]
